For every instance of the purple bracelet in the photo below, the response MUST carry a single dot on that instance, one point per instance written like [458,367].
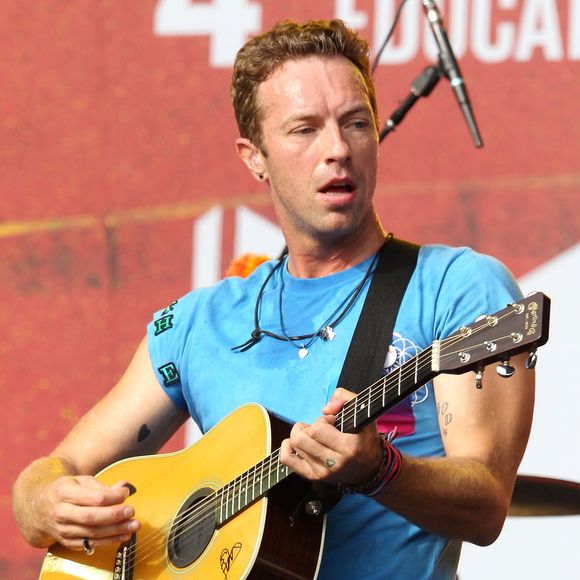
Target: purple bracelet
[388,471]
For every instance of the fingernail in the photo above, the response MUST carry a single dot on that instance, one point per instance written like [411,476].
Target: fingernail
[128,512]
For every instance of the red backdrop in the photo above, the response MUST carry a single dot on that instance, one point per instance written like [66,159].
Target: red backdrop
[116,134]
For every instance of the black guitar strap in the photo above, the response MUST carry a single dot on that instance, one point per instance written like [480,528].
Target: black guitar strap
[366,354]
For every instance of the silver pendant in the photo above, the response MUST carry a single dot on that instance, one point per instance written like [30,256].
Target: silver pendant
[327,333]
[303,352]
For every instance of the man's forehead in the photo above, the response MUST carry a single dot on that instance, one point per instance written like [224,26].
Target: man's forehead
[296,78]
[300,67]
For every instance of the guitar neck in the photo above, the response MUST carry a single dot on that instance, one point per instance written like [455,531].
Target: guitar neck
[249,486]
[387,392]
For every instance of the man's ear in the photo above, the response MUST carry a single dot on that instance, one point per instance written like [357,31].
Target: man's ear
[252,157]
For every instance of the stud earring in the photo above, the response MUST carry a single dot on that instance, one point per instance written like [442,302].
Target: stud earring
[260,176]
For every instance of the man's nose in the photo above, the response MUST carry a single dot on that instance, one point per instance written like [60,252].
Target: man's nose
[337,148]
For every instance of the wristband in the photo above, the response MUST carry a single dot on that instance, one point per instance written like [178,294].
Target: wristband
[388,471]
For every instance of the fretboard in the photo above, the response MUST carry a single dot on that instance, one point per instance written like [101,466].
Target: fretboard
[251,485]
[386,392]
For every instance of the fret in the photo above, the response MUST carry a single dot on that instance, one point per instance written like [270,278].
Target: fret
[231,499]
[254,482]
[227,490]
[234,495]
[384,382]
[341,413]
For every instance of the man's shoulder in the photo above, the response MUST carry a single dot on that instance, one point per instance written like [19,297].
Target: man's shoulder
[433,257]
[227,290]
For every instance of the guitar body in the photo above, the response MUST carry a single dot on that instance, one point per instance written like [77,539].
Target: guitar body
[267,539]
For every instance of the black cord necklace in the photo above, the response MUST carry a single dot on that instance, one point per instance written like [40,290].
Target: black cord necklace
[325,332]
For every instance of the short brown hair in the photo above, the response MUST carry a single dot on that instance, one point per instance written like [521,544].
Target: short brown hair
[261,56]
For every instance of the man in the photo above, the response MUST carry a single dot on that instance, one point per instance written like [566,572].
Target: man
[307,114]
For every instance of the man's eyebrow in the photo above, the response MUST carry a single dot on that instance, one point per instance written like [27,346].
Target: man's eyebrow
[362,108]
[357,110]
[299,117]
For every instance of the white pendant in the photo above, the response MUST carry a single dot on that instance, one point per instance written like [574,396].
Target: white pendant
[303,352]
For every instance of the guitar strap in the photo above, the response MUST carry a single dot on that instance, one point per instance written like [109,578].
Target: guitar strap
[372,336]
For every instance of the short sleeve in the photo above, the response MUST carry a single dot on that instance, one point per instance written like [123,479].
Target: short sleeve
[473,285]
[166,337]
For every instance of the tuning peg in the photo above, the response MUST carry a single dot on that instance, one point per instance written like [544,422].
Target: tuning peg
[505,370]
[479,378]
[531,360]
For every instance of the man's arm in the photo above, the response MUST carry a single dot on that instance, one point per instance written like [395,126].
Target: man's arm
[464,495]
[56,498]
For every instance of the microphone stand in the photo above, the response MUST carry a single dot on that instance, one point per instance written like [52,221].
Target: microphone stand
[421,87]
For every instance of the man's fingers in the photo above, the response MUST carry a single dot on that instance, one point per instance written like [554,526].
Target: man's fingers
[92,517]
[296,460]
[85,490]
[337,401]
[77,542]
[73,531]
[82,507]
[102,525]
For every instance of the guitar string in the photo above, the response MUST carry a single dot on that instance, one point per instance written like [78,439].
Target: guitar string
[209,503]
[207,510]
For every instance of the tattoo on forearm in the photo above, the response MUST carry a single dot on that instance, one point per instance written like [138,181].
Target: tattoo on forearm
[443,410]
[144,432]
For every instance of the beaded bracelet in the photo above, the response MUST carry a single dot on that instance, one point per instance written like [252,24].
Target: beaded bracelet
[387,472]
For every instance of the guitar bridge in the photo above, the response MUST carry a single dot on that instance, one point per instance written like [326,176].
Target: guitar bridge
[124,560]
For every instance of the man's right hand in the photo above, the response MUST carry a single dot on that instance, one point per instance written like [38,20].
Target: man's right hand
[79,506]
[56,500]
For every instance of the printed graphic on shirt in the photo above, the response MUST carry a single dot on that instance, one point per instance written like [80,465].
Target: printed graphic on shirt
[163,323]
[169,373]
[401,416]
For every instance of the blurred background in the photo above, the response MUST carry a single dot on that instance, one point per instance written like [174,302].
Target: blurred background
[120,190]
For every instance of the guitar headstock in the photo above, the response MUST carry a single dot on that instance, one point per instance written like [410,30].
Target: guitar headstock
[521,326]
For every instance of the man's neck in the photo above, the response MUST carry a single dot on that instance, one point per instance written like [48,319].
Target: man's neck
[322,258]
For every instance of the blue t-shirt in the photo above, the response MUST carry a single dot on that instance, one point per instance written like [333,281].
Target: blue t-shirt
[190,345]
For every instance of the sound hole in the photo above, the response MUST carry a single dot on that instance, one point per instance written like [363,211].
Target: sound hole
[192,529]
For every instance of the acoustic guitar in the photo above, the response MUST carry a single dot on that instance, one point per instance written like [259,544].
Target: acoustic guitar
[226,508]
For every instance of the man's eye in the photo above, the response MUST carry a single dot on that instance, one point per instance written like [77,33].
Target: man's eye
[304,130]
[360,124]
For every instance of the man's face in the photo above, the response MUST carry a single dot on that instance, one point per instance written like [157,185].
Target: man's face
[321,148]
